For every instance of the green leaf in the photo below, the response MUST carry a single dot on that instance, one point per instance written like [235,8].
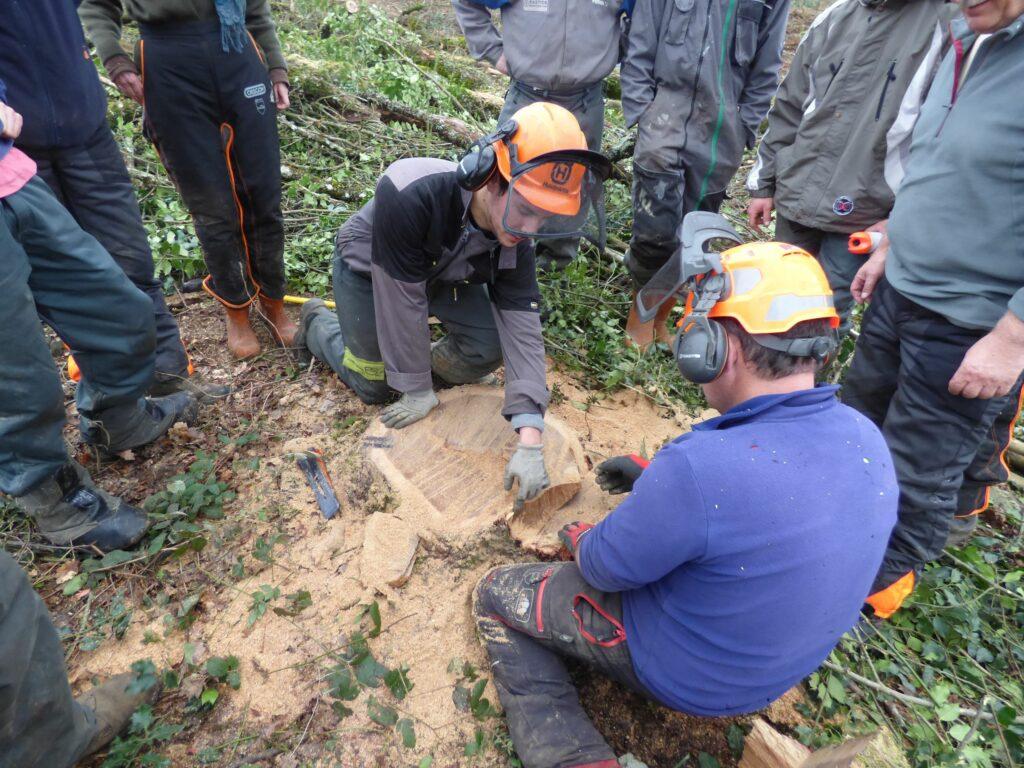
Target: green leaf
[142,718]
[296,603]
[407,732]
[460,697]
[476,745]
[1006,715]
[341,684]
[209,697]
[144,678]
[939,693]
[116,557]
[74,584]
[835,689]
[217,666]
[381,714]
[735,737]
[372,612]
[397,681]
[959,730]
[704,760]
[426,762]
[340,709]
[369,672]
[947,712]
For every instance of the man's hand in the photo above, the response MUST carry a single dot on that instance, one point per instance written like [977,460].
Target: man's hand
[411,408]
[759,212]
[281,96]
[10,122]
[619,474]
[501,65]
[527,466]
[993,364]
[571,534]
[130,84]
[871,272]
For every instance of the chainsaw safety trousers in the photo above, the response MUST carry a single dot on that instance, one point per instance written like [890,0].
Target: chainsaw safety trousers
[91,181]
[55,271]
[905,356]
[587,106]
[41,725]
[212,117]
[530,617]
[347,340]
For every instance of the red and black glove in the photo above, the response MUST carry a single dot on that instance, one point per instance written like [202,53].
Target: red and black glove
[571,534]
[618,475]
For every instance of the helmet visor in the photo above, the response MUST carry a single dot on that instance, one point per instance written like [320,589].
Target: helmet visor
[558,195]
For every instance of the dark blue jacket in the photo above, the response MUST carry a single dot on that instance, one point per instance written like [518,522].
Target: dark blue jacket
[746,549]
[51,79]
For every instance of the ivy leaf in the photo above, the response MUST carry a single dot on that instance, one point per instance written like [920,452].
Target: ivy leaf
[370,672]
[380,714]
[341,685]
[704,760]
[947,712]
[371,612]
[74,584]
[397,681]
[209,697]
[340,709]
[407,732]
[144,677]
[460,697]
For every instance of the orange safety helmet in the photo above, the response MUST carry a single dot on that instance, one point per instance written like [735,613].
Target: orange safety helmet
[543,128]
[772,287]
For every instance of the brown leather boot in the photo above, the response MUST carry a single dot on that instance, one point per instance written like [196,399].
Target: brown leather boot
[242,341]
[644,334]
[282,327]
[112,703]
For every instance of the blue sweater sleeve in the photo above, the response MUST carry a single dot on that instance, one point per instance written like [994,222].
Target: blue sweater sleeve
[661,525]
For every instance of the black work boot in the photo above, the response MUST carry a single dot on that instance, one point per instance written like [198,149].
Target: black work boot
[310,310]
[113,706]
[69,510]
[205,392]
[128,426]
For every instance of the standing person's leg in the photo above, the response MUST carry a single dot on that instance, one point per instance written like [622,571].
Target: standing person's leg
[840,267]
[41,725]
[346,339]
[528,617]
[108,323]
[986,470]
[471,349]
[933,437]
[254,155]
[93,184]
[183,119]
[795,233]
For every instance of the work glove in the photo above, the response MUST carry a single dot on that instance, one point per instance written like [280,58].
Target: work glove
[411,408]
[527,466]
[571,534]
[618,475]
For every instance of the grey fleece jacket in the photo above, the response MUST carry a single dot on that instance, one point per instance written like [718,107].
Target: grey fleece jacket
[957,229]
[839,131]
[555,45]
[416,237]
[683,44]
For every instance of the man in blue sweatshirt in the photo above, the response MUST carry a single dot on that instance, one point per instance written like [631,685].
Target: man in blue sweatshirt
[744,550]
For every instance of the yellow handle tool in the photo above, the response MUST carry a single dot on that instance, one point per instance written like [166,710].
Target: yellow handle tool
[304,299]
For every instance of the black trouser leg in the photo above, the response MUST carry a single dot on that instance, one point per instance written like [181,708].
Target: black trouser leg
[528,617]
[933,436]
[471,347]
[989,465]
[41,725]
[211,117]
[93,184]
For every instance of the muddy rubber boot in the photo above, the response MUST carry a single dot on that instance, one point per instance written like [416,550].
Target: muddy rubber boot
[113,706]
[205,392]
[242,341]
[282,327]
[69,510]
[599,764]
[130,426]
[310,310]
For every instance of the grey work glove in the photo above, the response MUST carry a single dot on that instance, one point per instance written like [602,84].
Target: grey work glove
[411,408]
[527,466]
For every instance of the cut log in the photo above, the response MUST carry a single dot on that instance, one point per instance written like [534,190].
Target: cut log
[389,551]
[765,747]
[448,468]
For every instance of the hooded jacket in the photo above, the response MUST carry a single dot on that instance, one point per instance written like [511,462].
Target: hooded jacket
[839,131]
[416,237]
[556,45]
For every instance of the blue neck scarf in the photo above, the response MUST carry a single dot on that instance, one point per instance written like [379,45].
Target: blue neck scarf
[232,24]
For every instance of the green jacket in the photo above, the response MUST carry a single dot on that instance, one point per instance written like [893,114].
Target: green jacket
[102,21]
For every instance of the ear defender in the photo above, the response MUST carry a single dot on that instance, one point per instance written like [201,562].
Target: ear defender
[479,163]
[700,349]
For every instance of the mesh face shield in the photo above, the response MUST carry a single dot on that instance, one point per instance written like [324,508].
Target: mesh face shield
[556,195]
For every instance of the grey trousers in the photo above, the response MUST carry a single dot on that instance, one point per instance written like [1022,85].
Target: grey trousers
[347,341]
[832,251]
[587,105]
[50,268]
[671,174]
[41,725]
[93,184]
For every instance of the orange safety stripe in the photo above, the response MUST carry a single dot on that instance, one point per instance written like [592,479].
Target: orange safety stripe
[887,601]
[142,62]
[227,304]
[255,45]
[238,204]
